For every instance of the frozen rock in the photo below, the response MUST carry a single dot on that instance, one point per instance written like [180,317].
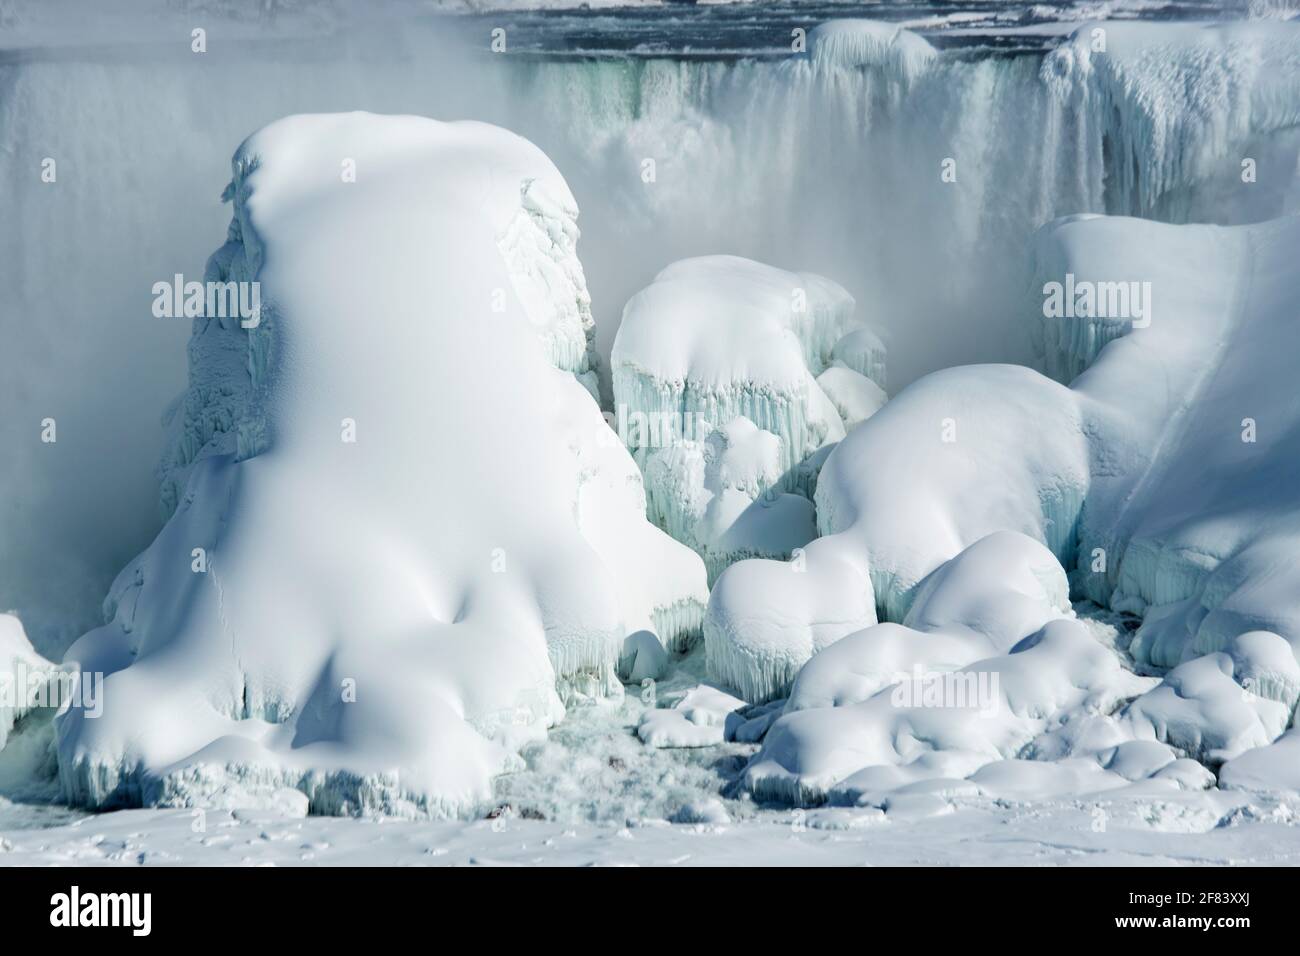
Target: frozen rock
[1003,587]
[718,337]
[1138,759]
[416,536]
[710,811]
[1264,664]
[930,474]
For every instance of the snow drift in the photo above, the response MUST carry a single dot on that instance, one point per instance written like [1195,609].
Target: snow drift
[403,533]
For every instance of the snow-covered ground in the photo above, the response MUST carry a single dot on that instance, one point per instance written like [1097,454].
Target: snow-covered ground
[593,794]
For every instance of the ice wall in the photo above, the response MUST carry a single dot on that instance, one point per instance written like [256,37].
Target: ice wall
[417,539]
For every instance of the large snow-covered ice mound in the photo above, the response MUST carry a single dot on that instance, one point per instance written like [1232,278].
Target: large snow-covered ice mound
[731,381]
[1192,512]
[1163,478]
[412,533]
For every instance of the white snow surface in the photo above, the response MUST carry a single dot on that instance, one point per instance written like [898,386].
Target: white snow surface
[423,537]
[593,793]
[1109,476]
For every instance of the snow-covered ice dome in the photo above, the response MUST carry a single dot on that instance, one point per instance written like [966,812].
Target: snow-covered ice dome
[403,532]
[732,379]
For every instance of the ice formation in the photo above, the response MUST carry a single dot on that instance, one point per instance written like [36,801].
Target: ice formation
[940,724]
[729,392]
[1108,476]
[1167,108]
[22,672]
[403,533]
[855,43]
[827,160]
[767,618]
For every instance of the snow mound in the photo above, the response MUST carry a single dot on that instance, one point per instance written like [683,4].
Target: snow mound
[410,535]
[855,397]
[1162,478]
[716,381]
[941,725]
[929,475]
[1275,767]
[1203,711]
[767,618]
[994,594]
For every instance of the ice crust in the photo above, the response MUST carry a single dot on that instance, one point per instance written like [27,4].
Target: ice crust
[382,621]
